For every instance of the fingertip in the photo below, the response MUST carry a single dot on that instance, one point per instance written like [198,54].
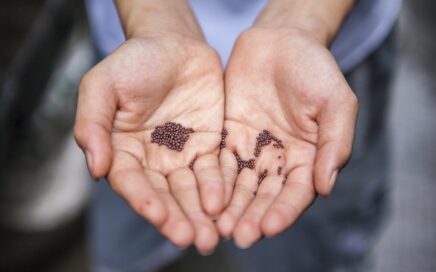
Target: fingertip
[246,233]
[90,164]
[225,225]
[101,154]
[327,189]
[213,205]
[272,224]
[95,143]
[157,212]
[206,240]
[211,185]
[324,181]
[183,235]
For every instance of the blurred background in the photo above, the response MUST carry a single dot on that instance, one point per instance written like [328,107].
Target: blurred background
[44,186]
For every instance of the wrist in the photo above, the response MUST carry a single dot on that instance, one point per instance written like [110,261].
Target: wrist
[319,19]
[142,18]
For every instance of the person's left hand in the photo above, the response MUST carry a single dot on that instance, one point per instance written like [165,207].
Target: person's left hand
[286,82]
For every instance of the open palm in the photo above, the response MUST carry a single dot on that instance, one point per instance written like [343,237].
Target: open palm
[146,83]
[290,111]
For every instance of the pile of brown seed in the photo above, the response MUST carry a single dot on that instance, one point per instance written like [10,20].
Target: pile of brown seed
[243,164]
[172,135]
[224,134]
[265,138]
[262,176]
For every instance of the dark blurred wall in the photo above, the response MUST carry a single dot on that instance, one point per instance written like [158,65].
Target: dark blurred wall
[16,20]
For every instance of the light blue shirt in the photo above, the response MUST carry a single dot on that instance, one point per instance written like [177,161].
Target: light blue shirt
[222,21]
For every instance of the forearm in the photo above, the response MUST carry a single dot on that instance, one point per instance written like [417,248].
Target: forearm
[142,17]
[322,19]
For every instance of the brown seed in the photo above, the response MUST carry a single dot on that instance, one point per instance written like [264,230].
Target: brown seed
[279,170]
[172,135]
[224,134]
[262,176]
[285,179]
[265,138]
[242,163]
[191,164]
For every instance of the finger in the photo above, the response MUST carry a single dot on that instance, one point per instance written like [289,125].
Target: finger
[128,180]
[248,229]
[183,187]
[229,170]
[177,228]
[95,112]
[210,181]
[297,194]
[336,132]
[245,189]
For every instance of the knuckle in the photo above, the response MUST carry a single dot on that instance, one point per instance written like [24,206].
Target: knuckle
[244,189]
[85,82]
[251,34]
[183,188]
[286,209]
[180,171]
[247,225]
[79,135]
[137,206]
[235,210]
[113,178]
[345,154]
[92,78]
[353,100]
[304,189]
[206,161]
[265,195]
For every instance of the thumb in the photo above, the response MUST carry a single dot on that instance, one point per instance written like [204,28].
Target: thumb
[92,130]
[335,140]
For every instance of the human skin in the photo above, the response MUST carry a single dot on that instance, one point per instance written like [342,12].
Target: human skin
[164,72]
[282,77]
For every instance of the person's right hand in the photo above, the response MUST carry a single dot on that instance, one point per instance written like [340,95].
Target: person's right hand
[148,81]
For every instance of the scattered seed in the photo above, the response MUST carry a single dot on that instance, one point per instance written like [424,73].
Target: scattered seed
[279,170]
[172,135]
[243,164]
[285,179]
[224,134]
[191,164]
[262,176]
[265,138]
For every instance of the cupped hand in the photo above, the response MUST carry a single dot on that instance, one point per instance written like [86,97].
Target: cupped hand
[286,95]
[146,83]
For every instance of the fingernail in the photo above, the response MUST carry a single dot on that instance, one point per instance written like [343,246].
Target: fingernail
[90,164]
[333,179]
